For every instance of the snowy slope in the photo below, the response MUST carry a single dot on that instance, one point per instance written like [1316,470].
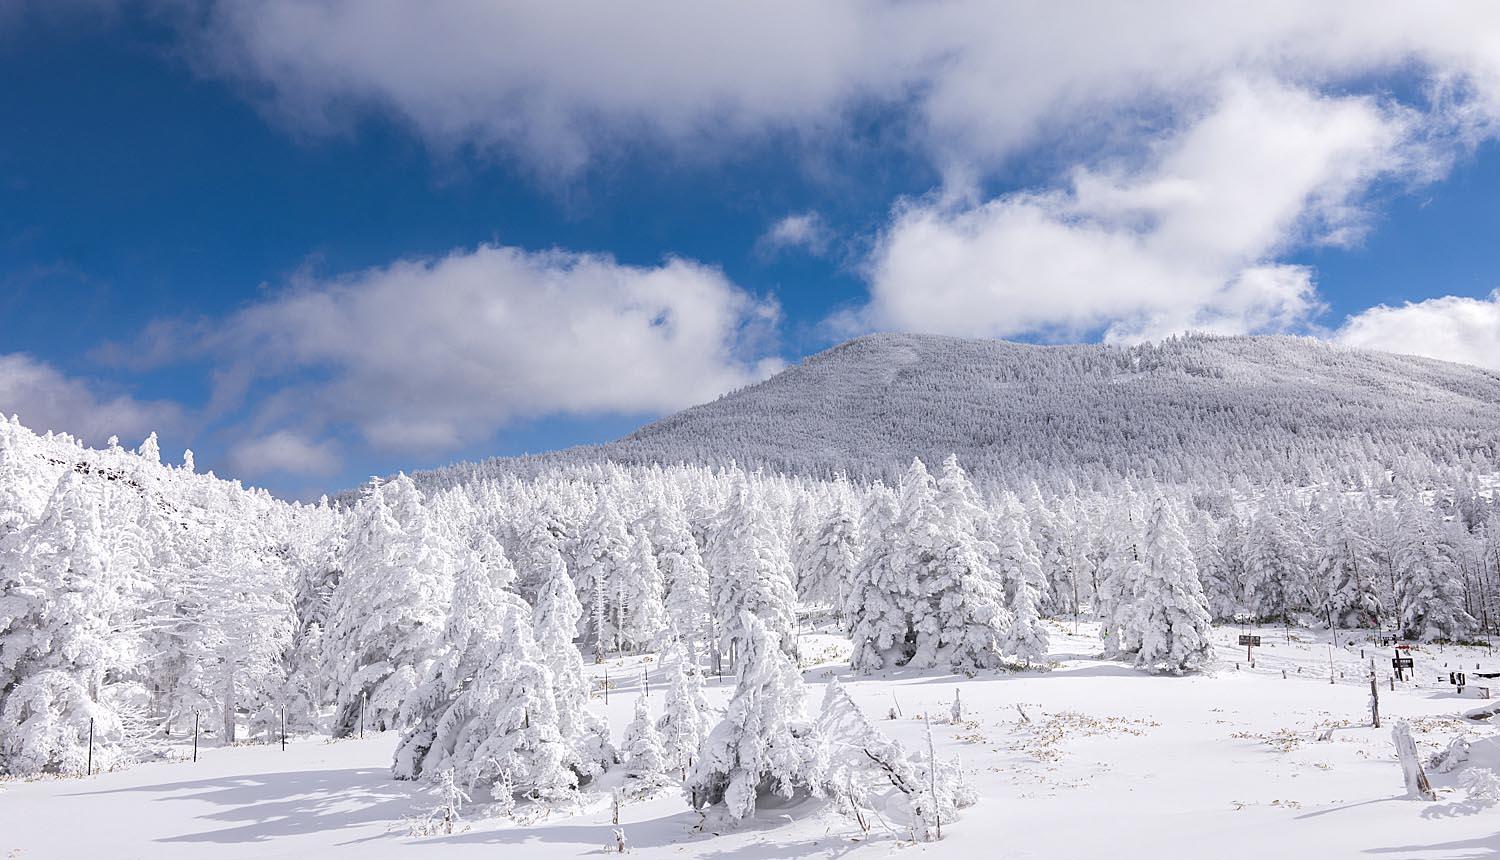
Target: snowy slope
[1091,759]
[1265,407]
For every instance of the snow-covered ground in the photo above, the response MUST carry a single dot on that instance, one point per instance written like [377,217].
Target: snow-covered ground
[1091,759]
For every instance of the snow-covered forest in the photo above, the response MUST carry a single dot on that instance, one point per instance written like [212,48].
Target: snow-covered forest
[142,599]
[1196,410]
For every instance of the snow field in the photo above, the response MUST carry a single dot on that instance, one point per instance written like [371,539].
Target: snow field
[1090,759]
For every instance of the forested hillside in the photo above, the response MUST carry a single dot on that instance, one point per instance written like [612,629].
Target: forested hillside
[1200,408]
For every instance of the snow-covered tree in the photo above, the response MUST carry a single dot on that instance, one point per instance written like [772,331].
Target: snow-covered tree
[685,712]
[763,744]
[385,620]
[641,751]
[60,641]
[1170,615]
[877,615]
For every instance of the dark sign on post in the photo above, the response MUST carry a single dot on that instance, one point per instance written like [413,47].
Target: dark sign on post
[1401,663]
[1247,639]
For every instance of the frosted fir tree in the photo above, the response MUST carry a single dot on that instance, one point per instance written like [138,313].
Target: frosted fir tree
[150,449]
[868,773]
[763,744]
[1430,587]
[1024,634]
[685,713]
[685,576]
[1215,571]
[59,646]
[1346,567]
[640,614]
[1277,581]
[385,620]
[481,607]
[755,576]
[499,732]
[878,614]
[961,618]
[1170,615]
[1121,569]
[833,554]
[641,750]
[557,614]
[603,553]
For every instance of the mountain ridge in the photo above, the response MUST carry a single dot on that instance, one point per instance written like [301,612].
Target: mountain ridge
[1015,411]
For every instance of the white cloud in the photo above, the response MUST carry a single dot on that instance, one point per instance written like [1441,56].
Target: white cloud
[1186,238]
[427,355]
[558,82]
[48,399]
[1451,328]
[804,230]
[283,452]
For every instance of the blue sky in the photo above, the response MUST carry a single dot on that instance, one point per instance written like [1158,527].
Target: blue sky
[249,228]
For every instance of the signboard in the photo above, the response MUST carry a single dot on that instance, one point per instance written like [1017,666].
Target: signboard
[1247,639]
[1403,647]
[1401,663]
[1456,678]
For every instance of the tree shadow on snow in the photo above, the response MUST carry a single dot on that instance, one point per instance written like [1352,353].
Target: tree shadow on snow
[272,805]
[1482,847]
[678,829]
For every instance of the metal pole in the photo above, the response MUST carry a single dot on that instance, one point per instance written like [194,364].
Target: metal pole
[195,735]
[363,698]
[90,770]
[283,728]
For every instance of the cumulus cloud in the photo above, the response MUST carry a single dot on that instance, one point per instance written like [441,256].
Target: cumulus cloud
[427,355]
[1451,328]
[558,82]
[799,230]
[1184,239]
[48,399]
[284,452]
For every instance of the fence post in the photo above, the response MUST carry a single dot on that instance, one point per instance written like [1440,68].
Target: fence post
[89,771]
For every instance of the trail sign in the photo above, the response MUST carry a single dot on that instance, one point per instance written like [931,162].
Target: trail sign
[1399,663]
[1247,639]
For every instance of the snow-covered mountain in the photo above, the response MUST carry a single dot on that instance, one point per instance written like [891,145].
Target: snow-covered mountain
[1198,407]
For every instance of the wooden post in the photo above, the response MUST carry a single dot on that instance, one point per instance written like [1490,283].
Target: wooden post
[89,771]
[195,735]
[283,728]
[1417,786]
[1374,702]
[606,692]
[363,697]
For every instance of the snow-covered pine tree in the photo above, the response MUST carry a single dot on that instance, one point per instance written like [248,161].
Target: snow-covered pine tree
[1170,615]
[640,614]
[641,751]
[1430,591]
[877,616]
[557,614]
[685,576]
[1345,566]
[385,620]
[868,772]
[1277,582]
[685,713]
[603,552]
[833,553]
[481,607]
[1121,566]
[763,744]
[59,642]
[756,575]
[1024,639]
[961,618]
